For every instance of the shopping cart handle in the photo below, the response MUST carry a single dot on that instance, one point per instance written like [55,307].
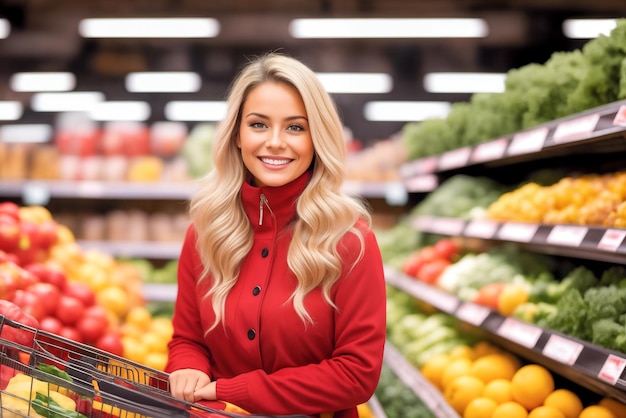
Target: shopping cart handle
[145,403]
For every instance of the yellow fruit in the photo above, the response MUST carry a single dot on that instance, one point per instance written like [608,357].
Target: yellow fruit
[483,348]
[531,385]
[155,343]
[457,368]
[134,349]
[615,406]
[565,401]
[511,297]
[162,326]
[597,411]
[139,316]
[499,390]
[365,411]
[544,411]
[493,366]
[461,351]
[155,361]
[433,369]
[462,390]
[510,410]
[480,408]
[113,299]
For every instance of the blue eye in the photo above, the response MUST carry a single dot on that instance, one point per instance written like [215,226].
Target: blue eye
[295,128]
[257,125]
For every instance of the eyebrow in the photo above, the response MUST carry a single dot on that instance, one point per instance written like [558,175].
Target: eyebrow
[260,115]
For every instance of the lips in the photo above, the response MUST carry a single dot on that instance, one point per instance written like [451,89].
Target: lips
[275,161]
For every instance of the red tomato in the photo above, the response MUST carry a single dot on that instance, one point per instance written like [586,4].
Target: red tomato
[48,233]
[92,328]
[30,303]
[71,333]
[10,208]
[8,285]
[49,295]
[412,264]
[488,295]
[80,291]
[56,277]
[447,248]
[430,271]
[9,233]
[51,324]
[69,310]
[111,342]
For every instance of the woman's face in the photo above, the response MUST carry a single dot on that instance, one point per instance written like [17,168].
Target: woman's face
[274,135]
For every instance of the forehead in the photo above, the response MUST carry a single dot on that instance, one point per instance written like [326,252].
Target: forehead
[274,95]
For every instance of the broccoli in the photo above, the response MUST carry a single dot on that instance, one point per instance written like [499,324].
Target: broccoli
[570,316]
[607,302]
[580,279]
[609,334]
[613,276]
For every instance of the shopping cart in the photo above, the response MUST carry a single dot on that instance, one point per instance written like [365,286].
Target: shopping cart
[39,371]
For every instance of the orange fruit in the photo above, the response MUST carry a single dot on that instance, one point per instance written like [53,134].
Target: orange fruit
[510,410]
[482,348]
[434,367]
[462,390]
[531,385]
[480,408]
[493,366]
[461,351]
[544,411]
[597,411]
[458,367]
[565,401]
[499,390]
[615,406]
[140,317]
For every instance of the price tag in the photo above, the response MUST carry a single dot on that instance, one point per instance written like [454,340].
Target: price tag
[527,142]
[481,228]
[419,166]
[421,223]
[454,159]
[472,314]
[36,194]
[489,151]
[90,189]
[562,349]
[620,117]
[519,332]
[575,129]
[568,235]
[518,232]
[611,240]
[612,369]
[447,226]
[421,183]
[438,298]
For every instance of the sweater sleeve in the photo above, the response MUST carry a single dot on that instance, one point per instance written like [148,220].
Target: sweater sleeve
[187,348]
[351,375]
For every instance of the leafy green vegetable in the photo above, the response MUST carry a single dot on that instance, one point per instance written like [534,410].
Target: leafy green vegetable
[54,371]
[49,408]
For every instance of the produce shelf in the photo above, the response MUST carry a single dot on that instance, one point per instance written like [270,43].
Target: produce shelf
[590,366]
[411,377]
[601,129]
[580,241]
[160,292]
[144,249]
[376,408]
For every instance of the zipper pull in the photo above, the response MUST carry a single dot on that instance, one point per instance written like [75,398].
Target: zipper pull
[262,201]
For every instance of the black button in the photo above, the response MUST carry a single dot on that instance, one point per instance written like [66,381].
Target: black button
[251,334]
[256,290]
[264,252]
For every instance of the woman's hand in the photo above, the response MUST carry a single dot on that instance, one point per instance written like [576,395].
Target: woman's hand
[191,385]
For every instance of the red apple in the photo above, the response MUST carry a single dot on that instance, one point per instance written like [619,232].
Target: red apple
[50,296]
[11,209]
[51,324]
[57,277]
[69,310]
[48,233]
[71,333]
[110,342]
[30,303]
[10,233]
[80,291]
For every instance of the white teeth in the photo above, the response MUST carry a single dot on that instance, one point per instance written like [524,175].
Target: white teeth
[274,162]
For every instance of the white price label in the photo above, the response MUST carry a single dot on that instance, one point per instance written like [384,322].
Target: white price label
[481,228]
[421,183]
[454,159]
[447,226]
[423,165]
[90,189]
[518,232]
[489,151]
[620,117]
[562,349]
[569,235]
[527,142]
[576,129]
[472,313]
[611,240]
[520,332]
[612,369]
[439,299]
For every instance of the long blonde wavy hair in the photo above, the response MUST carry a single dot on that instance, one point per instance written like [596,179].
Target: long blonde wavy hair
[324,213]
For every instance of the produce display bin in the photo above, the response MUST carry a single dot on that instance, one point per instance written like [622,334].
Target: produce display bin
[41,372]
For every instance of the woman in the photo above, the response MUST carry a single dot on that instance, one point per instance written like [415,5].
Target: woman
[281,295]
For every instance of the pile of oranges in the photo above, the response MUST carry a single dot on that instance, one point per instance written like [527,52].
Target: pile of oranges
[485,382]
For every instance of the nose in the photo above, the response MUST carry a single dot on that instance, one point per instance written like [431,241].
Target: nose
[275,139]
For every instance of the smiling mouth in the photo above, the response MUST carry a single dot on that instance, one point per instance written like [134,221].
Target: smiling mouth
[275,162]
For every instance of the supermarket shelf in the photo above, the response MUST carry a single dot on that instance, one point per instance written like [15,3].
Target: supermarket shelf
[604,125]
[596,368]
[376,408]
[39,192]
[160,292]
[587,242]
[147,249]
[411,377]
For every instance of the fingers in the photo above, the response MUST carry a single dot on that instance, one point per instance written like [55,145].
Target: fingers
[184,384]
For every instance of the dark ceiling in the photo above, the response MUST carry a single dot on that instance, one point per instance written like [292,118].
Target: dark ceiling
[44,37]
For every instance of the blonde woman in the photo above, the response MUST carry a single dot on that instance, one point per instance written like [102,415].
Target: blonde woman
[281,295]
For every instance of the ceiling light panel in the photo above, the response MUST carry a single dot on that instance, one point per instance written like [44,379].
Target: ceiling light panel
[405,111]
[149,28]
[10,110]
[588,28]
[5,28]
[356,82]
[163,82]
[195,111]
[389,28]
[41,81]
[464,82]
[76,101]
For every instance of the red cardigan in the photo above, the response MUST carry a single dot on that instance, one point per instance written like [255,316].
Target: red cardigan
[265,359]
